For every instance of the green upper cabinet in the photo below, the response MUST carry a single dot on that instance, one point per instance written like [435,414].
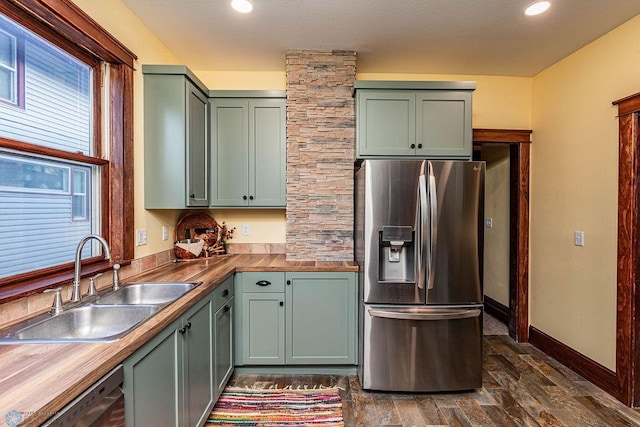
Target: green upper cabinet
[414,119]
[248,150]
[176,150]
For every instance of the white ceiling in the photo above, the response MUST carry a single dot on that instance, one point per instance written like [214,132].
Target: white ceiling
[491,37]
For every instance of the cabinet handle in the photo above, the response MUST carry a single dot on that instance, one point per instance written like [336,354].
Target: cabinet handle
[419,145]
[192,195]
[281,303]
[263,283]
[250,197]
[413,145]
[288,282]
[226,308]
[244,197]
[225,292]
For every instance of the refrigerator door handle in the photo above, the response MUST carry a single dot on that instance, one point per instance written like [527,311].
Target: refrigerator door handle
[442,314]
[423,257]
[433,226]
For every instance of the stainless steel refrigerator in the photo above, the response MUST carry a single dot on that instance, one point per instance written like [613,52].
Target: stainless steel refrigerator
[418,231]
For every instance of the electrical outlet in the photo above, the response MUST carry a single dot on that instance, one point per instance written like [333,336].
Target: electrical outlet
[245,229]
[141,237]
[578,238]
[165,232]
[488,222]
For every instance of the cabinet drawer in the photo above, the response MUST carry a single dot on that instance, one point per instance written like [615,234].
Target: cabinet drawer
[263,282]
[222,293]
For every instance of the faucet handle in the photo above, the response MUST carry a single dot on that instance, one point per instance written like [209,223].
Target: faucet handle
[116,279]
[56,306]
[92,285]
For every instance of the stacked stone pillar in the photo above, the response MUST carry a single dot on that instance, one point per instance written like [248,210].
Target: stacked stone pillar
[320,155]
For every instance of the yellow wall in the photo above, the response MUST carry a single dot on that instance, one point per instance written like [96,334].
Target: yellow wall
[574,187]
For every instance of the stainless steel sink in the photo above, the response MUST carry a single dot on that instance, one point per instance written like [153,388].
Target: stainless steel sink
[88,323]
[147,293]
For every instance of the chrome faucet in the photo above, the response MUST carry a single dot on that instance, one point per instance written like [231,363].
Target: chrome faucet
[75,293]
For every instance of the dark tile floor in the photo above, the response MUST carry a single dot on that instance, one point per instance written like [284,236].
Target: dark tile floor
[521,387]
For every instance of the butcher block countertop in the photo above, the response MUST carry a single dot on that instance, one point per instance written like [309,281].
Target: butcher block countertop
[40,379]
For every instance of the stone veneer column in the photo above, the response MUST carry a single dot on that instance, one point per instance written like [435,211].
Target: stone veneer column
[320,154]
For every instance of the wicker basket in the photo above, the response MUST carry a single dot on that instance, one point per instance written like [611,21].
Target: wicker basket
[204,227]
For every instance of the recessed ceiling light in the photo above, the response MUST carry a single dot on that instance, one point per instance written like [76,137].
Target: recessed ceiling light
[537,8]
[242,6]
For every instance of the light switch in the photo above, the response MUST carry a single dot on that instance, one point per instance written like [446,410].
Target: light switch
[488,222]
[578,238]
[141,237]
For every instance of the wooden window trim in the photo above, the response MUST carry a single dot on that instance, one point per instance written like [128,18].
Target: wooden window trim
[67,26]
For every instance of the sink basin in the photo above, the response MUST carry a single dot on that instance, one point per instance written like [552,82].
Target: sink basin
[85,323]
[147,293]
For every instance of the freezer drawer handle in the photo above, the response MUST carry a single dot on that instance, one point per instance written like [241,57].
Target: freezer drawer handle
[263,283]
[439,315]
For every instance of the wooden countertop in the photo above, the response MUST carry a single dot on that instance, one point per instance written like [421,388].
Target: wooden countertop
[40,379]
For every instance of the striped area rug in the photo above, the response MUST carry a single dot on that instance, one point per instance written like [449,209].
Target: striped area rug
[278,407]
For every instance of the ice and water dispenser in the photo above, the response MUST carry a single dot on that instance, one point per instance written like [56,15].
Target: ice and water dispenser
[397,256]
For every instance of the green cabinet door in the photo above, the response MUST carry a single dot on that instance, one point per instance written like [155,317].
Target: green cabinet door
[248,152]
[443,121]
[152,381]
[223,346]
[197,148]
[176,153]
[386,123]
[263,328]
[229,152]
[198,353]
[267,155]
[321,318]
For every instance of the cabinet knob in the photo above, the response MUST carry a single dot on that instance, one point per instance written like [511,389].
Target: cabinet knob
[188,325]
[225,292]
[182,330]
[250,197]
[413,145]
[281,303]
[226,308]
[288,282]
[244,197]
[419,145]
[192,195]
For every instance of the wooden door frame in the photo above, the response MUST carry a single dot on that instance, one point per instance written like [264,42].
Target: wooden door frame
[627,381]
[519,142]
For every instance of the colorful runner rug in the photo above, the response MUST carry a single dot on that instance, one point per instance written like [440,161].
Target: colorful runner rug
[288,407]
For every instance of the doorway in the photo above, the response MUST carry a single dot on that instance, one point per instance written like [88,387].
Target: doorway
[493,144]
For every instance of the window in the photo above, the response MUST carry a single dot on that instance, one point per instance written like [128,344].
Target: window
[66,144]
[11,65]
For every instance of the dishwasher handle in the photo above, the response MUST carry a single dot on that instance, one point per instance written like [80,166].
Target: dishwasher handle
[437,314]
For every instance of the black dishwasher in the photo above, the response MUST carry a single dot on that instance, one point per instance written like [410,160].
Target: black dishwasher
[101,405]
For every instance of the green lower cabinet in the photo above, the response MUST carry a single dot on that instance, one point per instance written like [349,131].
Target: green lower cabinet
[263,328]
[152,381]
[170,380]
[198,352]
[223,324]
[309,321]
[321,319]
